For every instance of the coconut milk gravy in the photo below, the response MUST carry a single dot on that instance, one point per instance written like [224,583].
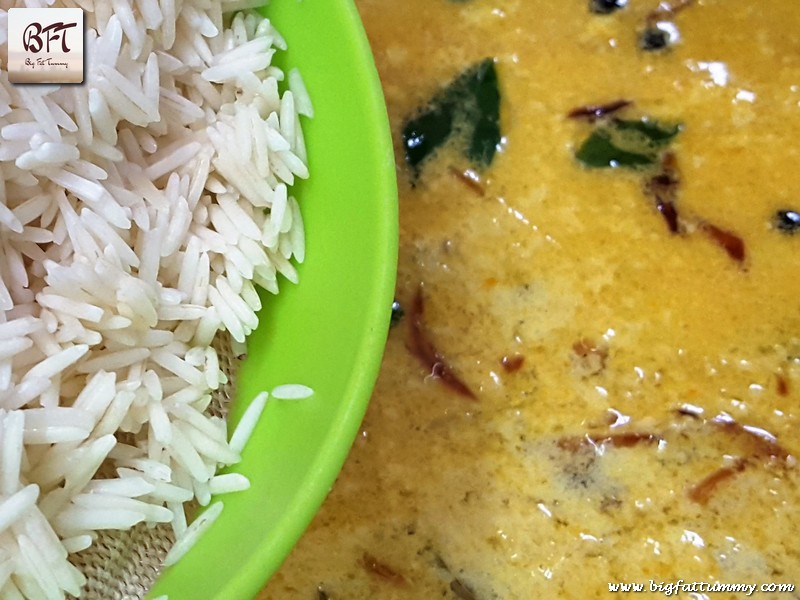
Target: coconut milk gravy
[645,422]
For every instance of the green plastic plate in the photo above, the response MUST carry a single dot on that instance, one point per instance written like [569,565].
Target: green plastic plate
[327,332]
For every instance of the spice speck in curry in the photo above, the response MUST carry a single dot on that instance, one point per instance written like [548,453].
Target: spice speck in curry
[597,377]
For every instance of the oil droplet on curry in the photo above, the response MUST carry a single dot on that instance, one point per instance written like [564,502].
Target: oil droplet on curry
[594,372]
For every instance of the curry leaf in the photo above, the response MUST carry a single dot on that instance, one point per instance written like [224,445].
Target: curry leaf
[424,134]
[482,89]
[467,109]
[599,151]
[626,143]
[655,132]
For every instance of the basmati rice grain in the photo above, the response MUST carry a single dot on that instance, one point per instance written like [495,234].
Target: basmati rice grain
[179,224]
[293,163]
[267,282]
[26,390]
[235,278]
[6,303]
[250,296]
[285,246]
[185,395]
[293,391]
[173,158]
[115,322]
[101,116]
[77,309]
[6,569]
[279,168]
[97,394]
[230,70]
[214,450]
[77,543]
[283,265]
[296,234]
[247,424]
[155,471]
[106,234]
[253,252]
[53,553]
[240,308]
[243,266]
[276,216]
[11,592]
[194,356]
[186,312]
[119,102]
[224,225]
[166,492]
[186,455]
[159,423]
[227,483]
[178,522]
[95,453]
[12,427]
[98,500]
[275,141]
[174,364]
[58,424]
[13,507]
[114,361]
[300,93]
[212,371]
[193,533]
[236,214]
[5,375]
[130,487]
[227,315]
[13,346]
[212,241]
[198,421]
[74,520]
[115,414]
[32,562]
[185,331]
[201,492]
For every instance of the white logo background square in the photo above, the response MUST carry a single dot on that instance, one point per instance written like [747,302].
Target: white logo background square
[45,45]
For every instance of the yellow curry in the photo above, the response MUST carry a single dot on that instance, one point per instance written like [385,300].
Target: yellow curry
[595,378]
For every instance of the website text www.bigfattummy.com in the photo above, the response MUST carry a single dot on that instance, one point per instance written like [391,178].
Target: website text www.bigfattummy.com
[669,588]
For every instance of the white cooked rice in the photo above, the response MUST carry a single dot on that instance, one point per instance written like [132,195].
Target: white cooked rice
[137,214]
